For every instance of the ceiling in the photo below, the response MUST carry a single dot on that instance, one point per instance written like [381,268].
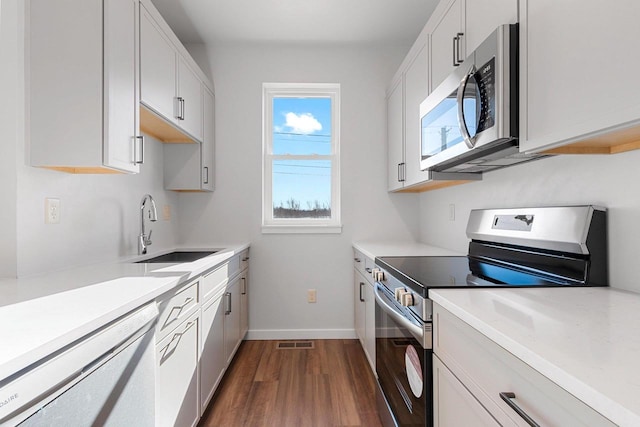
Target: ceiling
[319,22]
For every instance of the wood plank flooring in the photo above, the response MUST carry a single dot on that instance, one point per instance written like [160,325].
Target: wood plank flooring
[330,385]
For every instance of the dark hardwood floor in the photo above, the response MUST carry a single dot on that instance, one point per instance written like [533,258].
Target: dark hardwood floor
[329,385]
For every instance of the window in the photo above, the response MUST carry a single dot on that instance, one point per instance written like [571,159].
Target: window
[301,158]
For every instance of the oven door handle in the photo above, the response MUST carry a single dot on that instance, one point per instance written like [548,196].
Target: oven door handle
[397,316]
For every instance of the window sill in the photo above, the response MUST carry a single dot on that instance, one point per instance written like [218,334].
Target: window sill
[301,229]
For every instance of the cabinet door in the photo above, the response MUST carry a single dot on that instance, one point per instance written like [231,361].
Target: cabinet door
[157,69]
[370,325]
[484,16]
[415,91]
[359,285]
[190,98]
[578,62]
[232,319]
[244,303]
[121,101]
[395,138]
[453,405]
[177,400]
[212,360]
[442,43]
[208,141]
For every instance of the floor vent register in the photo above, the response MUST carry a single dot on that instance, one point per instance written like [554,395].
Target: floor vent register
[294,345]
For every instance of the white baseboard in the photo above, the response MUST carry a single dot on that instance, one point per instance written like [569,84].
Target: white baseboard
[300,334]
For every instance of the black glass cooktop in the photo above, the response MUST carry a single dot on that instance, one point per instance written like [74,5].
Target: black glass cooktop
[426,272]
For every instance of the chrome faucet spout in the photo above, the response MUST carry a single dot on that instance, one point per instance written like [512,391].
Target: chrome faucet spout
[143,239]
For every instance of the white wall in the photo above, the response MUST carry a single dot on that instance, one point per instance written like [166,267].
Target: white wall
[8,137]
[283,267]
[99,213]
[609,181]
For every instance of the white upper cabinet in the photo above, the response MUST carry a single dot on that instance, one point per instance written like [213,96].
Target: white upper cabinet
[189,167]
[415,91]
[83,86]
[158,68]
[447,45]
[578,67]
[395,137]
[459,26]
[189,100]
[171,88]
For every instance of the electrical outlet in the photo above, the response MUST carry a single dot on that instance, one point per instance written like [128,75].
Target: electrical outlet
[51,211]
[166,212]
[311,295]
[452,212]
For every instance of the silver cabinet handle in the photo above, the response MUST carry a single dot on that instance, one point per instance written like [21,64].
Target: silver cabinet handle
[138,147]
[244,285]
[399,176]
[206,174]
[454,53]
[357,259]
[458,59]
[227,309]
[182,109]
[368,270]
[507,396]
[361,285]
[245,259]
[185,303]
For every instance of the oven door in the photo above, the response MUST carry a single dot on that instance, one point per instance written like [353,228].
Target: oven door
[403,365]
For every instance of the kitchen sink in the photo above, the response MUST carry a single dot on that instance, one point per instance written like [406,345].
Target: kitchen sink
[178,256]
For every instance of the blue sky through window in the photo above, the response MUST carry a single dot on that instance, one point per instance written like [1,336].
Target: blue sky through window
[302,126]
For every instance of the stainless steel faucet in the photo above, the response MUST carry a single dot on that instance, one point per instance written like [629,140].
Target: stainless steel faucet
[143,239]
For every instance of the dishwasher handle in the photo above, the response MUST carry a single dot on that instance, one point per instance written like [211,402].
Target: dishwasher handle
[381,299]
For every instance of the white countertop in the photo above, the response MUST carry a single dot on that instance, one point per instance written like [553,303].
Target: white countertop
[44,313]
[586,340]
[377,249]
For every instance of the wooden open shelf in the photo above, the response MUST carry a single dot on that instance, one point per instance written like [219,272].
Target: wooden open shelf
[433,185]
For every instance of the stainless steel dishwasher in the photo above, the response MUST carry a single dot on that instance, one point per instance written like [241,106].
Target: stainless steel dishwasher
[104,379]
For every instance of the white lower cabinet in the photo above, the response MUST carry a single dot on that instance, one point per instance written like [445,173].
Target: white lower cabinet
[365,306]
[453,405]
[177,402]
[212,359]
[499,381]
[232,318]
[200,327]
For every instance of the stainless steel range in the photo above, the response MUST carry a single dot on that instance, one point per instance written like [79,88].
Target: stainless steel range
[527,247]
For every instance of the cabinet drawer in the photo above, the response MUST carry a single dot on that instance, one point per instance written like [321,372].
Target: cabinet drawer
[174,307]
[212,282]
[487,370]
[358,260]
[177,400]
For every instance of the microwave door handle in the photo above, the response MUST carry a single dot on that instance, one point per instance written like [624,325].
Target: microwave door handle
[460,99]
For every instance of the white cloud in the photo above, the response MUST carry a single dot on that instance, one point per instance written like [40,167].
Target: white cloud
[303,123]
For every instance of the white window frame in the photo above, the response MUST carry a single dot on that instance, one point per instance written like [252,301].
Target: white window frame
[299,225]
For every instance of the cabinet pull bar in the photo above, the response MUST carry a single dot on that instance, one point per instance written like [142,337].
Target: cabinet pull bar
[206,174]
[356,259]
[399,173]
[453,54]
[140,150]
[181,108]
[361,285]
[507,396]
[458,59]
[368,270]
[244,286]
[227,309]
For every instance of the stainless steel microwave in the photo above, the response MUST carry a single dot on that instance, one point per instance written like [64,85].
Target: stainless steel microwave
[469,123]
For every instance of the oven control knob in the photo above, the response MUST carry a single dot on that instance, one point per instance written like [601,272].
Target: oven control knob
[398,292]
[377,274]
[407,299]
